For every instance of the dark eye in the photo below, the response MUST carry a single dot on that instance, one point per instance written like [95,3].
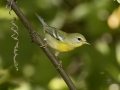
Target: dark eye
[79,39]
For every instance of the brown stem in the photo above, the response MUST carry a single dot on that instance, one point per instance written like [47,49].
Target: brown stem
[38,40]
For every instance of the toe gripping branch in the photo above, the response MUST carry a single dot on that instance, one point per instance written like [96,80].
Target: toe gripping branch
[34,36]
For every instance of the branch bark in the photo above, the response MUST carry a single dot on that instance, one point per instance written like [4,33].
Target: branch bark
[38,40]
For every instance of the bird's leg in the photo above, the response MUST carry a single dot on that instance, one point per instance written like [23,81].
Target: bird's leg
[56,53]
[34,34]
[45,45]
[60,62]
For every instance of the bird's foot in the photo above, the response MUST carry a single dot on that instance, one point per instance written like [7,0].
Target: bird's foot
[44,46]
[59,64]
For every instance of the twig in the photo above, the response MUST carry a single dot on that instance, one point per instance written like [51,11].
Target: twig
[38,40]
[14,35]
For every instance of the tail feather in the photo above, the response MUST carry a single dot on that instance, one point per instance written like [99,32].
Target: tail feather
[42,21]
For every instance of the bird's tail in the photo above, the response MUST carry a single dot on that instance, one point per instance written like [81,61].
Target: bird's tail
[42,21]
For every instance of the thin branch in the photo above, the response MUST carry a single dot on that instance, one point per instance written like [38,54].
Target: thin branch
[38,40]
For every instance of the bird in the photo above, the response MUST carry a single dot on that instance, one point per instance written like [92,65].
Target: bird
[59,40]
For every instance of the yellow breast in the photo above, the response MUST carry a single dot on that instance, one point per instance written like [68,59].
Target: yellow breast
[58,45]
[64,47]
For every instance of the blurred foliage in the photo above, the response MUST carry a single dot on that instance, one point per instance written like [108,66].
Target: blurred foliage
[91,67]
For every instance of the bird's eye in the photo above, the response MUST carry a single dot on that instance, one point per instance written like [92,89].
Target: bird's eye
[79,39]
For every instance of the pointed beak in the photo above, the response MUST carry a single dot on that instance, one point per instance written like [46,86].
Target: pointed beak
[86,43]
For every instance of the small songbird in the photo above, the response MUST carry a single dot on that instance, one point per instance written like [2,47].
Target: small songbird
[59,40]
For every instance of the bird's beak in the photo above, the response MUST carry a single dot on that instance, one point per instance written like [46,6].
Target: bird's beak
[86,43]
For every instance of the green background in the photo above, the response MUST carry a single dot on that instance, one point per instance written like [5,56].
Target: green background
[91,67]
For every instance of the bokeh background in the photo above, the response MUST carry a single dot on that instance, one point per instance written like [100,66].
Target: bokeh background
[91,67]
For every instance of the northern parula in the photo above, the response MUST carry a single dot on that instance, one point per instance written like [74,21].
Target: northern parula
[59,40]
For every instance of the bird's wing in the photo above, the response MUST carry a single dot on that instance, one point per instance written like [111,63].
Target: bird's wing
[58,34]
